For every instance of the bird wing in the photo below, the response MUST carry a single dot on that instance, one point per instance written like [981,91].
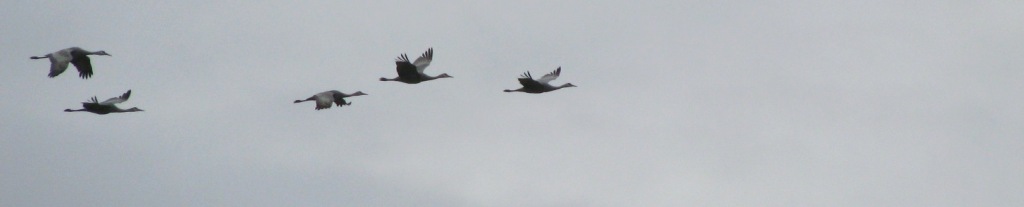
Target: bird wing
[550,76]
[81,61]
[404,68]
[59,62]
[324,100]
[424,60]
[116,100]
[527,81]
[339,99]
[91,103]
[92,106]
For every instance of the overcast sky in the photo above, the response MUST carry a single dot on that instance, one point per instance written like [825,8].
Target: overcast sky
[680,103]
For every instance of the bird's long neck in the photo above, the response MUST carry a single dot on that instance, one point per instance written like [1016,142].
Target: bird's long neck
[357,93]
[517,90]
[100,52]
[118,110]
[564,86]
[427,77]
[73,110]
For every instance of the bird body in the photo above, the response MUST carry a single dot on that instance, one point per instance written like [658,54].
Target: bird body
[77,56]
[412,72]
[540,85]
[324,99]
[105,107]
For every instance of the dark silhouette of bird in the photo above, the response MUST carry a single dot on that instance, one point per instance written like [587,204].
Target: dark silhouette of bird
[540,85]
[324,99]
[412,72]
[105,107]
[80,58]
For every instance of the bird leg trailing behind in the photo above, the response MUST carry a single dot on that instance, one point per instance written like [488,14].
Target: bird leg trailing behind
[308,99]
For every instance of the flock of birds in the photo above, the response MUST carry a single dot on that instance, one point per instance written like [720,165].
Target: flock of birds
[408,72]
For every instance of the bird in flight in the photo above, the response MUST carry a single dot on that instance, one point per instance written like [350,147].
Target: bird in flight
[77,56]
[412,72]
[324,99]
[105,107]
[540,85]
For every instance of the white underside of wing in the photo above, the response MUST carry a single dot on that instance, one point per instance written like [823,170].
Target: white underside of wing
[112,101]
[421,64]
[547,78]
[324,100]
[423,61]
[59,61]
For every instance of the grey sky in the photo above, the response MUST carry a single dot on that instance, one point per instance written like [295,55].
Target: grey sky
[680,103]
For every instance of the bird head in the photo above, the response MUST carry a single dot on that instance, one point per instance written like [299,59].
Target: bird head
[568,85]
[444,75]
[101,52]
[358,93]
[133,109]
